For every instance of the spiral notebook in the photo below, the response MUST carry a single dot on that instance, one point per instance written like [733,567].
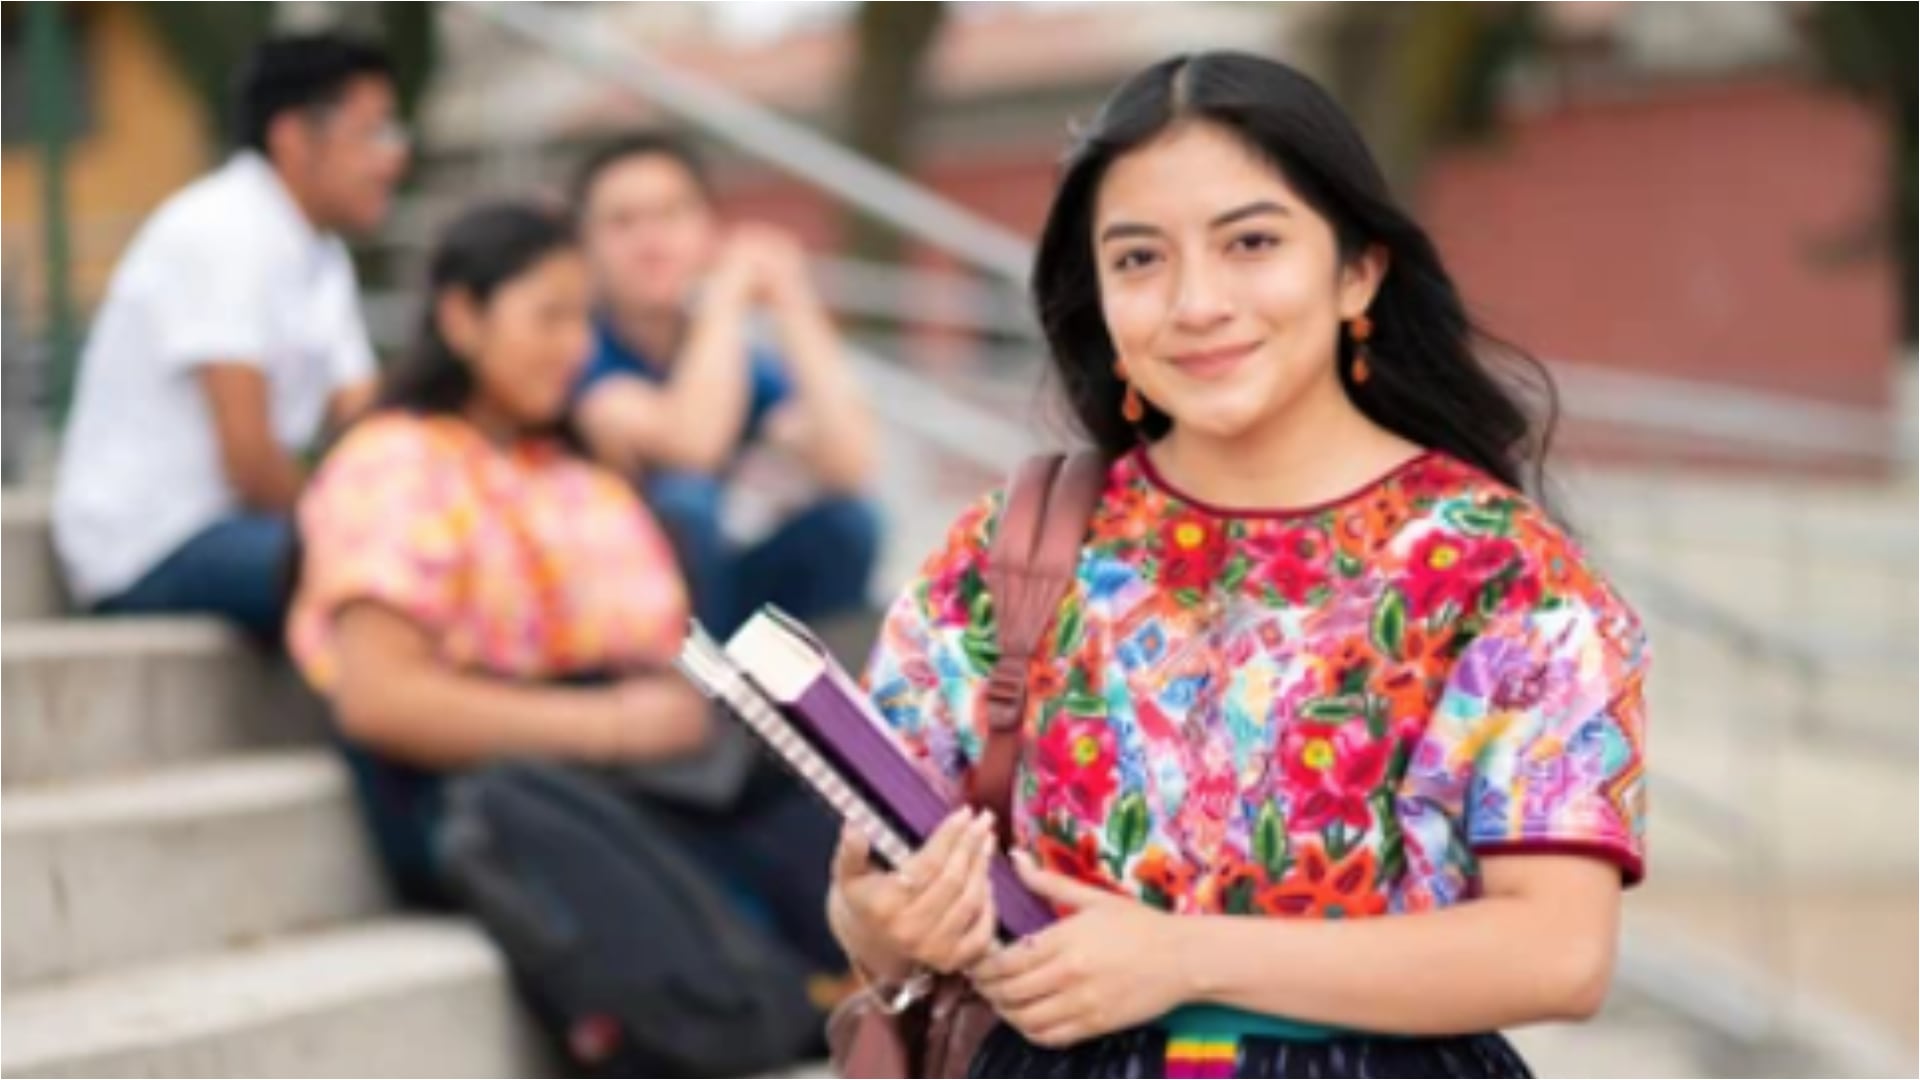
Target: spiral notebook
[782,683]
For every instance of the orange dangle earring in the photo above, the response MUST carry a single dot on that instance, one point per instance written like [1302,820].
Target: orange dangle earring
[1361,328]
[1132,410]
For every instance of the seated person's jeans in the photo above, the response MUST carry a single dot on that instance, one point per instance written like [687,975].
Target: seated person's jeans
[237,568]
[816,564]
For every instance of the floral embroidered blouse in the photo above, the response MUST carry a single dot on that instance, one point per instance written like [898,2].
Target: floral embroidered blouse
[1329,712]
[527,562]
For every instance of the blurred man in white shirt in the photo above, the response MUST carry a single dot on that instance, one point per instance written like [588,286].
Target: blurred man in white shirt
[230,335]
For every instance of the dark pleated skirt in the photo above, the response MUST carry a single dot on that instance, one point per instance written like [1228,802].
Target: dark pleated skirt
[1143,1052]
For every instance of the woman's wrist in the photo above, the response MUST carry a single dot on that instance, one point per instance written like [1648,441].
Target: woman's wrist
[606,731]
[873,963]
[1185,942]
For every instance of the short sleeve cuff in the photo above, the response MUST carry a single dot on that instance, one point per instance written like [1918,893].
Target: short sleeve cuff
[1629,860]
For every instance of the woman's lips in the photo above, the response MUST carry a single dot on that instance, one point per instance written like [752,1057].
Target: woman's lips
[1212,363]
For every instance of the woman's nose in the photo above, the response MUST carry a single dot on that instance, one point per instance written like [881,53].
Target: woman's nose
[1201,301]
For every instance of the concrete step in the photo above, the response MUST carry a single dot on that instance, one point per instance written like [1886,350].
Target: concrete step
[1814,982]
[134,869]
[387,998]
[1807,809]
[1627,1039]
[1858,606]
[90,696]
[30,585]
[1842,952]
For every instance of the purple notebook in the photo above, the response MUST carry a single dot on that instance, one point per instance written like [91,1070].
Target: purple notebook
[777,677]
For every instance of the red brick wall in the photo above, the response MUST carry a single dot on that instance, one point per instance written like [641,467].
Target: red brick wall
[1690,233]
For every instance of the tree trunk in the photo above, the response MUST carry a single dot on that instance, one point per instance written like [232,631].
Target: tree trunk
[882,102]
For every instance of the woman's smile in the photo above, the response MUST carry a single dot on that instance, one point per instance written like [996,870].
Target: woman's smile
[1214,363]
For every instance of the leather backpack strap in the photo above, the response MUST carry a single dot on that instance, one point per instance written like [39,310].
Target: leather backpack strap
[1030,565]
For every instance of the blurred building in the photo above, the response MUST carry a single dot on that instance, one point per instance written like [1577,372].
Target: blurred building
[138,134]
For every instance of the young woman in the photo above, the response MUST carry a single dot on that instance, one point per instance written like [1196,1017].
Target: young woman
[1334,760]
[474,590]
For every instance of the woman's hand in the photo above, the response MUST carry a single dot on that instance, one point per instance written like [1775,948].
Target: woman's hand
[1110,965]
[936,910]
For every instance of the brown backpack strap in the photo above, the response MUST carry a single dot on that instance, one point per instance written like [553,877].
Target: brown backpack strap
[1035,554]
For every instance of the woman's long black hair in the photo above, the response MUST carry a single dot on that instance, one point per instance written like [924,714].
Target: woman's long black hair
[483,249]
[1428,383]
[479,251]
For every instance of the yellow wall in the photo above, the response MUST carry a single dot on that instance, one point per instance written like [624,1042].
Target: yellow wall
[148,138]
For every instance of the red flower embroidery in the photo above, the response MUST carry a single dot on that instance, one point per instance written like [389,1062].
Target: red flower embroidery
[1234,887]
[1296,562]
[1321,888]
[1044,681]
[1332,771]
[1080,860]
[1168,875]
[1192,547]
[1437,573]
[1076,765]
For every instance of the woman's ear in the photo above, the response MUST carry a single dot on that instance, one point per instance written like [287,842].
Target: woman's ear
[1360,280]
[458,318]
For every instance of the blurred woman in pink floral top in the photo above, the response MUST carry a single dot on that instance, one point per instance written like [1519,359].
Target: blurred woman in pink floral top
[1335,754]
[475,591]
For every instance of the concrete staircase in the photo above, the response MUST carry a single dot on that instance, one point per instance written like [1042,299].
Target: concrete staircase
[189,890]
[190,893]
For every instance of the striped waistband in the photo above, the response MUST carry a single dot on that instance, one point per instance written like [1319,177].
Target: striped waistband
[1204,1040]
[1224,1022]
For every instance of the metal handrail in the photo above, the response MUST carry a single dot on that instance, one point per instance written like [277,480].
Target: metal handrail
[853,178]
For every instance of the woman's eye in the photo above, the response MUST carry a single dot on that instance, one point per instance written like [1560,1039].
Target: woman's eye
[1133,260]
[1257,241]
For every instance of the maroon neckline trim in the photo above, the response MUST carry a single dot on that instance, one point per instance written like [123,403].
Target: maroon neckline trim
[1147,468]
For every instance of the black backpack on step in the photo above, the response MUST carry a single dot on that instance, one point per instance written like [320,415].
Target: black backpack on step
[621,944]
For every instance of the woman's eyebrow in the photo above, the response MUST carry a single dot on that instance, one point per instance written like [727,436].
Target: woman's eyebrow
[1123,230]
[1252,209]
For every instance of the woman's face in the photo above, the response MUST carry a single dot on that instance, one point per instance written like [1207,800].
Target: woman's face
[1222,289]
[528,342]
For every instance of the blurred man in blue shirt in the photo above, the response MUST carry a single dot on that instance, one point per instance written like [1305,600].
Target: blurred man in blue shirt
[677,389]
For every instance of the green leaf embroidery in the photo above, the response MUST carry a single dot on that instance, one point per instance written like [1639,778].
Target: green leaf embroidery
[1239,898]
[1069,633]
[1390,622]
[1127,831]
[1188,597]
[981,650]
[1376,717]
[1397,765]
[1355,680]
[1487,521]
[1347,565]
[1270,842]
[1334,708]
[1335,836]
[980,608]
[1393,846]
[1080,703]
[1235,574]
